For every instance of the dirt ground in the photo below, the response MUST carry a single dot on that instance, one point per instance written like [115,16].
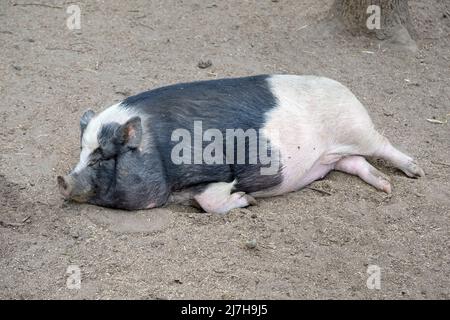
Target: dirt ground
[309,244]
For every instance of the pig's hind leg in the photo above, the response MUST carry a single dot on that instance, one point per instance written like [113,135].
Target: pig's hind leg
[399,160]
[366,141]
[358,166]
[218,198]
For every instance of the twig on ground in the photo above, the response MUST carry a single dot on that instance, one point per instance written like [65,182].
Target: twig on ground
[439,121]
[37,5]
[320,190]
[11,224]
[441,163]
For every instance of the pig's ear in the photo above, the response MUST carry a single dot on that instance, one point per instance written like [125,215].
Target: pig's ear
[130,133]
[85,118]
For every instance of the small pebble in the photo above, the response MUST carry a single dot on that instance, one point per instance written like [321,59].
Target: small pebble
[204,64]
[251,244]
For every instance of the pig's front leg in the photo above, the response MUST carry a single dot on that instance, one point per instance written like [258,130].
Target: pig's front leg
[217,198]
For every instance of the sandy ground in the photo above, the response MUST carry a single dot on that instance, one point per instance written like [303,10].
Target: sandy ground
[308,244]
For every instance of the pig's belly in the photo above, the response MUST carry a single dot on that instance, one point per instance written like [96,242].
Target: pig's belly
[292,181]
[295,177]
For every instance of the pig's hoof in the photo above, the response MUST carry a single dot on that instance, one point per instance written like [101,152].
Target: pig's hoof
[215,202]
[386,186]
[251,201]
[413,170]
[243,199]
[380,181]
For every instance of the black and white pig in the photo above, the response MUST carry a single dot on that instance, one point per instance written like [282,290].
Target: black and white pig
[130,152]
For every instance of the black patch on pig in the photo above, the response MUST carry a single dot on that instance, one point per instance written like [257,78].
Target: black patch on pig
[106,137]
[122,177]
[239,103]
[128,181]
[125,178]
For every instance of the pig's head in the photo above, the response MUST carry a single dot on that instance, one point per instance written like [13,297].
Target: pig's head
[103,144]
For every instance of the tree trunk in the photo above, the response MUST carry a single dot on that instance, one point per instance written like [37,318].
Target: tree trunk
[394,20]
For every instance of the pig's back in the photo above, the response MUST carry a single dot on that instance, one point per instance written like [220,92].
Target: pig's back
[231,103]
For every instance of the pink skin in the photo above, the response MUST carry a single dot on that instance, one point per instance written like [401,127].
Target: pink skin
[358,166]
[235,200]
[151,205]
[355,165]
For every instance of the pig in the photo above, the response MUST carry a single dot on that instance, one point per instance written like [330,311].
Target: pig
[131,156]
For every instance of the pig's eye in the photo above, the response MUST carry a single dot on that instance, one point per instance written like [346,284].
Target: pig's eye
[94,161]
[103,155]
[99,155]
[96,156]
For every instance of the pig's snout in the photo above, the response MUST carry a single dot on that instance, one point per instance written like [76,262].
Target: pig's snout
[65,185]
[72,189]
